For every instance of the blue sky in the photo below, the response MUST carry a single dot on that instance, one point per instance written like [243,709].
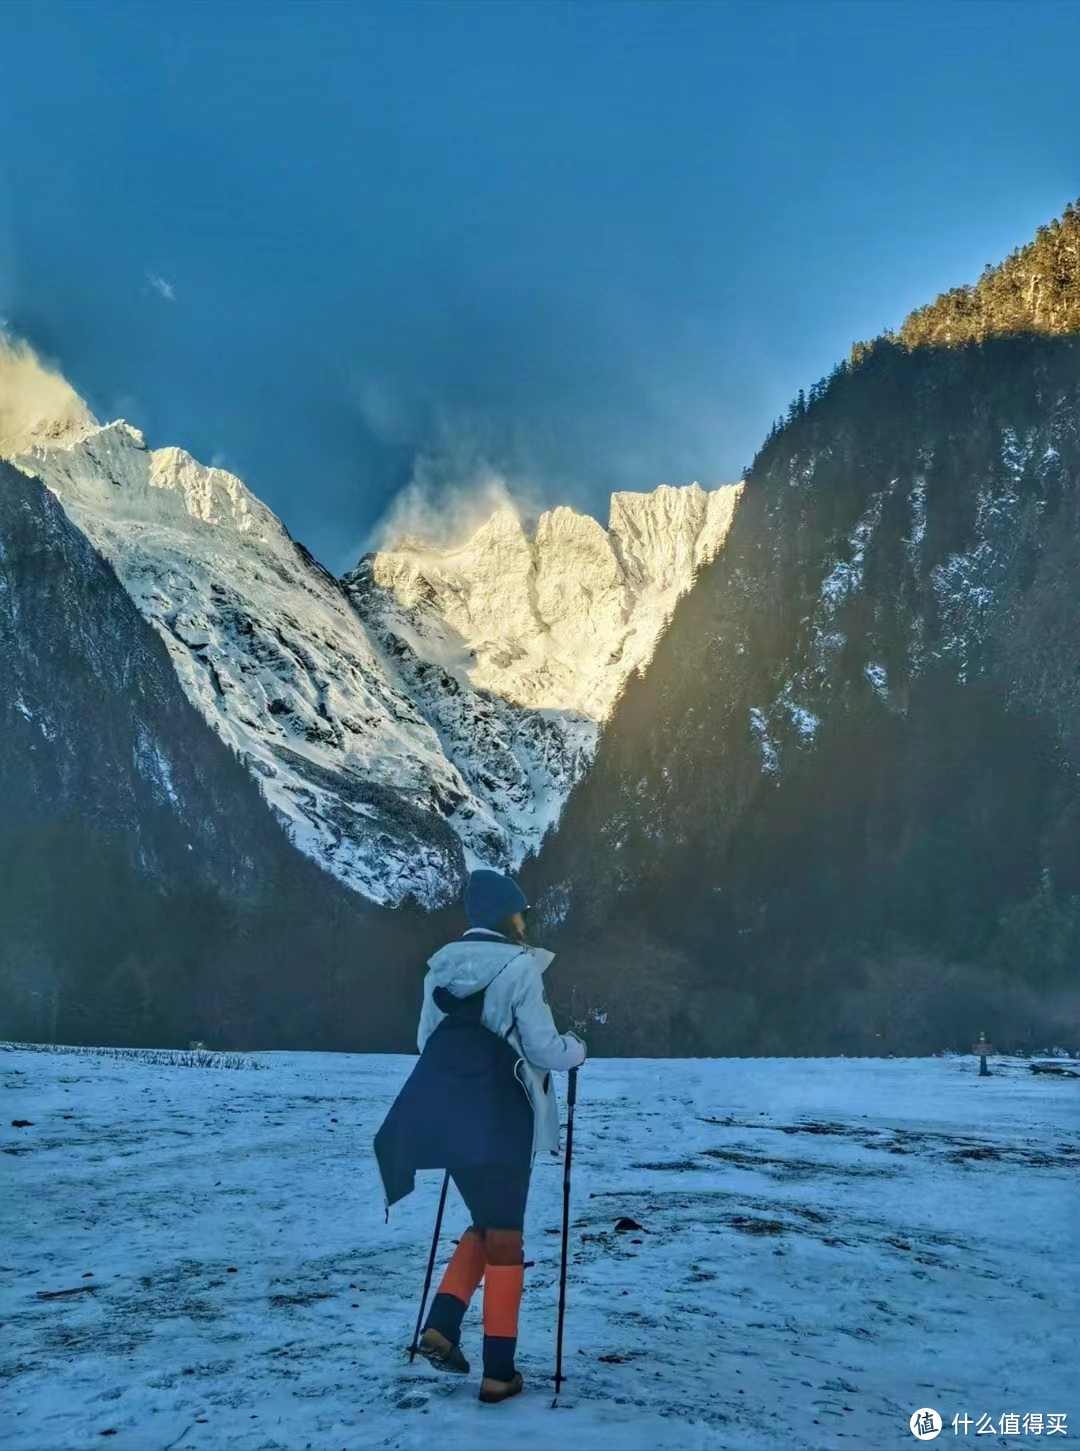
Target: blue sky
[586,246]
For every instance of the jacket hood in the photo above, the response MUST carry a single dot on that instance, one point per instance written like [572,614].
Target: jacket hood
[466,967]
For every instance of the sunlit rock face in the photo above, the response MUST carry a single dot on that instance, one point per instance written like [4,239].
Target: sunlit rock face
[557,621]
[515,647]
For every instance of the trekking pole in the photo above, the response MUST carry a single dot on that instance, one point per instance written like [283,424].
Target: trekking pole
[571,1099]
[430,1267]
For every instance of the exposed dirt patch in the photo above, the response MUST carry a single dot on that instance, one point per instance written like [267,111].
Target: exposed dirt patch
[671,1166]
[748,1224]
[300,1298]
[794,1168]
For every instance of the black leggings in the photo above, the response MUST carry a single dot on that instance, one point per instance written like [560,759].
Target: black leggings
[494,1194]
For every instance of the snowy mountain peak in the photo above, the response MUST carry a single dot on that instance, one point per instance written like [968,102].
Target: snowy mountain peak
[210,494]
[560,620]
[108,468]
[665,536]
[429,713]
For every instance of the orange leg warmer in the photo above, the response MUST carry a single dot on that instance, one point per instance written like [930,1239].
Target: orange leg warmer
[466,1268]
[503,1282]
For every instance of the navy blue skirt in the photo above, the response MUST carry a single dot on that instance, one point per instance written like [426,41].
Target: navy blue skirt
[463,1105]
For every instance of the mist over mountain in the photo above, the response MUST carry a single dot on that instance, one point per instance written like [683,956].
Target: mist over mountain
[841,812]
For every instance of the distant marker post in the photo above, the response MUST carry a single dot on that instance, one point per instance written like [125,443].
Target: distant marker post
[982,1048]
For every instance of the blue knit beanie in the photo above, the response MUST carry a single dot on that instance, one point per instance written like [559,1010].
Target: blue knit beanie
[490,898]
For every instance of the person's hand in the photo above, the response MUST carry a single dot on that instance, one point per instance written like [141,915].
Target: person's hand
[580,1040]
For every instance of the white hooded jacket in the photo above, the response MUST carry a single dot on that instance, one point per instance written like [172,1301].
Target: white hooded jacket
[515,1007]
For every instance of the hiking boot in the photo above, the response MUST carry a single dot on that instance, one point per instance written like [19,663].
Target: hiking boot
[443,1354]
[494,1391]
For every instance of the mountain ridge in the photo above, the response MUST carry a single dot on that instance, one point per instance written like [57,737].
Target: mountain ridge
[1036,289]
[389,733]
[549,613]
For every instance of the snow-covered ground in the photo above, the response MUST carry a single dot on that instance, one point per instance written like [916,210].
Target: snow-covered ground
[197,1257]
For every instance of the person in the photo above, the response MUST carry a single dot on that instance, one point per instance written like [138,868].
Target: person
[481,1104]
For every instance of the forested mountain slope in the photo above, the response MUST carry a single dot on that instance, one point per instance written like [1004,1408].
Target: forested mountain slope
[841,811]
[1035,290]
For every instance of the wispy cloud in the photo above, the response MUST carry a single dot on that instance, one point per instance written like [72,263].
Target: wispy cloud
[442,514]
[463,472]
[159,284]
[37,405]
